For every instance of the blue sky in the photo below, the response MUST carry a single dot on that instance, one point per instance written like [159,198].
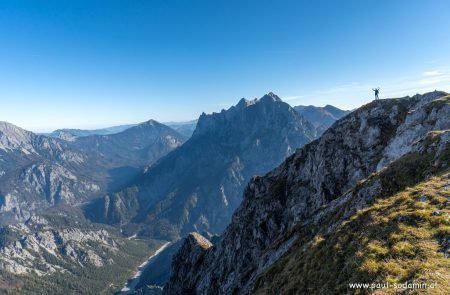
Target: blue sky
[91,63]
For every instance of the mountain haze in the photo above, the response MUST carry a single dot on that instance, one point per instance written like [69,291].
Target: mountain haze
[70,134]
[321,117]
[184,128]
[137,146]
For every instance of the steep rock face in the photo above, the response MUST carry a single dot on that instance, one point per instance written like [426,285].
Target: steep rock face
[199,185]
[263,227]
[13,138]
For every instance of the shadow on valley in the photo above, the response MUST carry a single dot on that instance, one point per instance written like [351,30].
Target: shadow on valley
[118,178]
[121,177]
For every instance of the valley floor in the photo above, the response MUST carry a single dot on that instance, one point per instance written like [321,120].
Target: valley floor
[131,284]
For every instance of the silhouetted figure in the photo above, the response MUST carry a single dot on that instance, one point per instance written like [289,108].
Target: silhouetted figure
[377,91]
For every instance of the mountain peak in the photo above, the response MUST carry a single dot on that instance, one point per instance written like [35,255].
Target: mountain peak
[329,106]
[244,114]
[150,122]
[270,97]
[267,98]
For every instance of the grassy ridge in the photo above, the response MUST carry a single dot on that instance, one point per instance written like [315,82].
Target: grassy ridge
[396,239]
[402,235]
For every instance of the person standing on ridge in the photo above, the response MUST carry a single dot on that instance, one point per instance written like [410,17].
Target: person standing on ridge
[377,91]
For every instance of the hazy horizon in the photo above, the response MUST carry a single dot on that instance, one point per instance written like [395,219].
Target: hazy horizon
[93,64]
[89,126]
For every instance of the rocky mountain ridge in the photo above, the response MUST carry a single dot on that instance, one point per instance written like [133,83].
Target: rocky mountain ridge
[391,227]
[41,174]
[275,207]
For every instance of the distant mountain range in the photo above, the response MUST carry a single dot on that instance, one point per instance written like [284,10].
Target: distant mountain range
[39,171]
[137,146]
[150,180]
[321,117]
[71,134]
[74,165]
[184,128]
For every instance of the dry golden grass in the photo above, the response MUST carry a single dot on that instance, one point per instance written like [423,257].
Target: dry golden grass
[399,238]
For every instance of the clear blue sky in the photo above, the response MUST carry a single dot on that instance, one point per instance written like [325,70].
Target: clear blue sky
[89,63]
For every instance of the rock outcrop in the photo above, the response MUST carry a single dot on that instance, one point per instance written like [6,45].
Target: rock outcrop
[189,256]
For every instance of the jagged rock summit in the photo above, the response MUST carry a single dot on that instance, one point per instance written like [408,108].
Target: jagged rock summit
[198,186]
[316,190]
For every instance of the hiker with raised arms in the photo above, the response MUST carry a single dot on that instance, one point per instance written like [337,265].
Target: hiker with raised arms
[377,91]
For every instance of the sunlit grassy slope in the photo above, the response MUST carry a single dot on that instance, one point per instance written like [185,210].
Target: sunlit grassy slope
[402,235]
